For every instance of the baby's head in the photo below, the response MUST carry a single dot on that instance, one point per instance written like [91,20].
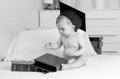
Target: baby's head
[64,25]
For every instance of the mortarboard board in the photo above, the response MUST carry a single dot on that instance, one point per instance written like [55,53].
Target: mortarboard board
[75,16]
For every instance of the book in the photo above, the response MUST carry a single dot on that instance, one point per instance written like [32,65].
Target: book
[50,62]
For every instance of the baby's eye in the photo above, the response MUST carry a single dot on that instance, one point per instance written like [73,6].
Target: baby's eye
[62,29]
[59,29]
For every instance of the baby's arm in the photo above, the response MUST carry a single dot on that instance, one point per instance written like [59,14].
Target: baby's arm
[82,45]
[54,46]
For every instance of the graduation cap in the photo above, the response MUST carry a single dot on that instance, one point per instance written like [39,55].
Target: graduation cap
[75,16]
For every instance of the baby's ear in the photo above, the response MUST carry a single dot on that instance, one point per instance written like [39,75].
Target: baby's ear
[73,26]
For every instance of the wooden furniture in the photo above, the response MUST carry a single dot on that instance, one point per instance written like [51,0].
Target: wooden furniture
[106,24]
[97,43]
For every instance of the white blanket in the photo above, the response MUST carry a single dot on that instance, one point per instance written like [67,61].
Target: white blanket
[29,44]
[6,73]
[97,67]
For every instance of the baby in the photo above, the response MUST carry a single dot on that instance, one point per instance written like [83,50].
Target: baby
[73,43]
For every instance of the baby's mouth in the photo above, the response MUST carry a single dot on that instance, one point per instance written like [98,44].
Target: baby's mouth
[62,34]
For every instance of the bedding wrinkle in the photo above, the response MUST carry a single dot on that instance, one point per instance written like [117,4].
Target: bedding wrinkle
[97,67]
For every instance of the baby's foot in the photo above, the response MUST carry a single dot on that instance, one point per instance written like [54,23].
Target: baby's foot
[84,64]
[65,67]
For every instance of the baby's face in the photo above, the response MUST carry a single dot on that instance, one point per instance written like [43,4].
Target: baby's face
[64,28]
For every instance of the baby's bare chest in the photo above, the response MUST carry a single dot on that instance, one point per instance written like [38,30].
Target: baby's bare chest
[70,42]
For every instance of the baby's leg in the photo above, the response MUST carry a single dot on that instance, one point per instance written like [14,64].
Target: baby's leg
[79,62]
[71,60]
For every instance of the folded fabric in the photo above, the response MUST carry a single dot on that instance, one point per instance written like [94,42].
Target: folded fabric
[30,44]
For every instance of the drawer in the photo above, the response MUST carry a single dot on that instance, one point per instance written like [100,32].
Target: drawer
[111,39]
[103,31]
[111,48]
[102,14]
[96,22]
[110,35]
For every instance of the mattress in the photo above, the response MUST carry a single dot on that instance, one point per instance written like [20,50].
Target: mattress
[6,73]
[97,67]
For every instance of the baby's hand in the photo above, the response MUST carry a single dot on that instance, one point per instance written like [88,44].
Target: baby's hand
[71,54]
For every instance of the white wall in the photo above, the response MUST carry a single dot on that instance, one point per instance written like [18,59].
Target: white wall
[91,4]
[16,15]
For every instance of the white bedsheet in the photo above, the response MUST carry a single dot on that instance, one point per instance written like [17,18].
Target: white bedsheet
[6,73]
[97,67]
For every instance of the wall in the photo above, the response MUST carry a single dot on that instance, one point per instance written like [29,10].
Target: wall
[80,4]
[91,4]
[16,15]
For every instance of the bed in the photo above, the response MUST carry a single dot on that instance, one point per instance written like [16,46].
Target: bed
[6,73]
[29,45]
[97,67]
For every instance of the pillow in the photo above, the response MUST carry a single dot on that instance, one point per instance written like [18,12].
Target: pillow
[30,44]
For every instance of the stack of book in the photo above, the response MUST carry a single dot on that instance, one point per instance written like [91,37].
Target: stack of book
[45,63]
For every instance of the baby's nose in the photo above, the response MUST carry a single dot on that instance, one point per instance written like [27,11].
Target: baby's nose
[60,30]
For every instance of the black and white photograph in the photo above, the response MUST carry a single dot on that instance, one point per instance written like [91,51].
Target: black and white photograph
[60,39]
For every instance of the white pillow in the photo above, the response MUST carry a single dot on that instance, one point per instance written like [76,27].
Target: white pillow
[30,44]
